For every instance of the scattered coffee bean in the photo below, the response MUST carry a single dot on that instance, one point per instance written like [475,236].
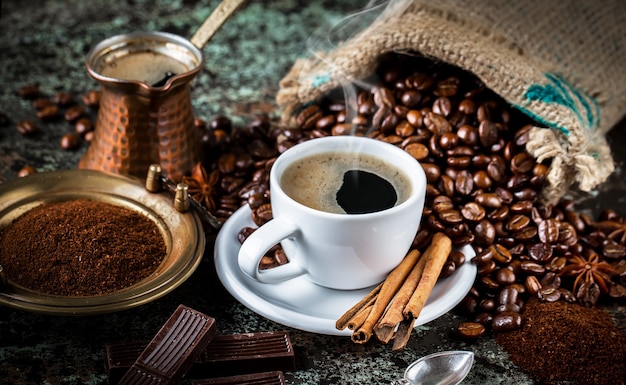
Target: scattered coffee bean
[27,127]
[26,171]
[73,113]
[48,113]
[70,141]
[29,91]
[63,98]
[83,126]
[471,330]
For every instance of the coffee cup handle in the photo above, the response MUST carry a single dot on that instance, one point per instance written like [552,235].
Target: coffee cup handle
[259,242]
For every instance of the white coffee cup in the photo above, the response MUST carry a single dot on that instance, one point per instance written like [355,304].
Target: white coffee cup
[337,250]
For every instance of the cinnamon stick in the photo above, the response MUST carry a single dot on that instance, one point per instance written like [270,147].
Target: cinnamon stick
[388,289]
[439,250]
[385,327]
[403,334]
[342,322]
[360,317]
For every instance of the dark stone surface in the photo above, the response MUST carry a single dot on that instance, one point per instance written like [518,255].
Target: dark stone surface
[45,42]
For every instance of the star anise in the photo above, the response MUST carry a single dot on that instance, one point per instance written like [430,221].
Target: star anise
[202,186]
[589,270]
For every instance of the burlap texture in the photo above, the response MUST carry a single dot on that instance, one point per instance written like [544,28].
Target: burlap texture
[561,62]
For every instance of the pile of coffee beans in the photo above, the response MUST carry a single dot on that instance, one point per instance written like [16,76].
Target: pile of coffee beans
[483,187]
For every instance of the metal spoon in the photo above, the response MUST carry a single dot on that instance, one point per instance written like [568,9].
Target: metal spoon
[443,368]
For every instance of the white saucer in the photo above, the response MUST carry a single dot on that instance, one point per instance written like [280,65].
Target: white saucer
[303,305]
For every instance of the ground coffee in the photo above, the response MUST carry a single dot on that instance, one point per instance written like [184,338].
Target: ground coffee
[80,248]
[560,341]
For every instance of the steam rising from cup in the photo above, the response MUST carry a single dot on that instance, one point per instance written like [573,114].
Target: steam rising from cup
[361,22]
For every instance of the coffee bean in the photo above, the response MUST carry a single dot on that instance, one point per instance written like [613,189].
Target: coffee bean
[471,330]
[244,233]
[487,282]
[540,252]
[532,285]
[63,98]
[482,180]
[485,233]
[70,141]
[440,206]
[469,304]
[487,305]
[442,106]
[421,81]
[490,200]
[549,294]
[522,163]
[500,253]
[532,268]
[464,183]
[41,103]
[505,276]
[483,256]
[457,257]
[28,91]
[451,217]
[73,113]
[26,171]
[415,118]
[473,212]
[27,127]
[483,318]
[499,214]
[449,267]
[411,98]
[437,124]
[417,151]
[433,172]
[613,250]
[509,308]
[384,97]
[496,169]
[231,184]
[48,113]
[262,214]
[506,321]
[521,207]
[487,133]
[83,126]
[460,163]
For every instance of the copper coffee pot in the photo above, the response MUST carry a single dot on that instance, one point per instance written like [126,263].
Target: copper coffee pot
[145,113]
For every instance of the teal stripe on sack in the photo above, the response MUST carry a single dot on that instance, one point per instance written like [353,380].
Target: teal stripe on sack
[560,91]
[319,80]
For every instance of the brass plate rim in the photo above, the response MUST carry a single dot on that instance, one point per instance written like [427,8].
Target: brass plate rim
[183,234]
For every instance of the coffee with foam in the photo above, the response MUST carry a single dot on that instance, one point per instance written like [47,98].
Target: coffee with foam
[345,183]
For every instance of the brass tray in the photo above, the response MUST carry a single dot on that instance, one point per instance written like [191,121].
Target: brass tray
[182,232]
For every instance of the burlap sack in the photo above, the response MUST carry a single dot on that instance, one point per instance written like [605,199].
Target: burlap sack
[563,62]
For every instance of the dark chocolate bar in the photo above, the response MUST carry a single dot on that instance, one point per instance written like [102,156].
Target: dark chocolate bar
[226,355]
[173,350]
[265,378]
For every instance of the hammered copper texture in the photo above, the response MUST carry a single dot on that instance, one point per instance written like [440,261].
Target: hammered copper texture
[134,131]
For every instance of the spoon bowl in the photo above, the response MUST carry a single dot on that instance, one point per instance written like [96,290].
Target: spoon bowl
[443,368]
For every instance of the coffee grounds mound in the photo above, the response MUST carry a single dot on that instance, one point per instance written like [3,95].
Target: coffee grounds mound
[560,341]
[80,247]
